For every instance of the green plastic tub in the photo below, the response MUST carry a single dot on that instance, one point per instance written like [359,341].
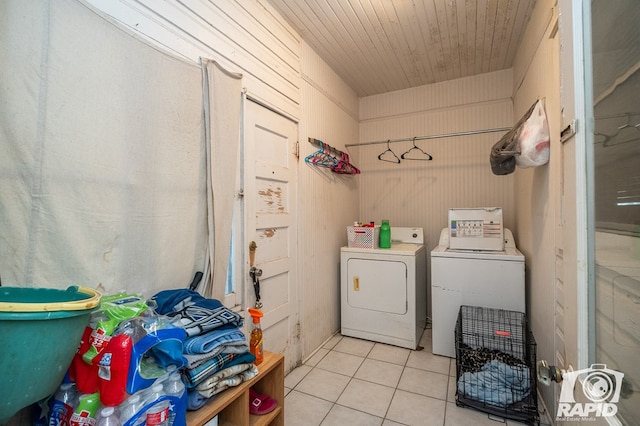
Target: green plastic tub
[40,330]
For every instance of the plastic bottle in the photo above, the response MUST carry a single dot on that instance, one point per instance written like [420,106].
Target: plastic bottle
[108,417]
[130,408]
[385,234]
[63,403]
[86,410]
[158,414]
[173,385]
[175,388]
[255,343]
[132,328]
[100,335]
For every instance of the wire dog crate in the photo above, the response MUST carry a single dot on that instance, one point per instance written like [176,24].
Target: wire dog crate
[496,363]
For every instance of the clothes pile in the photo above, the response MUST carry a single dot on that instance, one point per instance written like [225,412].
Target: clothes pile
[216,350]
[493,377]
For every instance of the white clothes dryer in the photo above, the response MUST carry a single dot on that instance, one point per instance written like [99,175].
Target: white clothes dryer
[384,291]
[492,279]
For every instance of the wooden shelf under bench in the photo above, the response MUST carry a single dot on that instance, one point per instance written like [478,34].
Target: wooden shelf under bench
[232,405]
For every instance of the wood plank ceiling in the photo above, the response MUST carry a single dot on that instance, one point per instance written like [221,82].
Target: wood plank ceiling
[380,46]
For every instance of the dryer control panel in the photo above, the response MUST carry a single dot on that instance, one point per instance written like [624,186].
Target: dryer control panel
[407,235]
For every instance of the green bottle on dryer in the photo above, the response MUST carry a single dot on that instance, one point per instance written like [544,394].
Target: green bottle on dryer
[385,234]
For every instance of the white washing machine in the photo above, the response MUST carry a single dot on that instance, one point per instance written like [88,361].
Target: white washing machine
[489,278]
[384,291]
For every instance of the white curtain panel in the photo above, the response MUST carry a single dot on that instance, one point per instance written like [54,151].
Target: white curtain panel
[103,178]
[222,111]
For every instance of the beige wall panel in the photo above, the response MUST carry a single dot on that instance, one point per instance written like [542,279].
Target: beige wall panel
[419,193]
[464,91]
[317,73]
[328,201]
[550,290]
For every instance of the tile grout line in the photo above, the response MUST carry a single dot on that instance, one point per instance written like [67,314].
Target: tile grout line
[395,390]
[364,358]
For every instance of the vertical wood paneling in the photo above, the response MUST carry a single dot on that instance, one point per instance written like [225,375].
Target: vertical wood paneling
[317,73]
[404,44]
[329,201]
[547,231]
[439,96]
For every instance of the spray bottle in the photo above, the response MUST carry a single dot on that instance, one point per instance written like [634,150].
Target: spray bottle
[255,344]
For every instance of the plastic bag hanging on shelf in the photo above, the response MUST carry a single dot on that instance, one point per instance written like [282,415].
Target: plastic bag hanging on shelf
[504,152]
[533,140]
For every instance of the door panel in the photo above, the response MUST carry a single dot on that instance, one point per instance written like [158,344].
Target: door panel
[270,214]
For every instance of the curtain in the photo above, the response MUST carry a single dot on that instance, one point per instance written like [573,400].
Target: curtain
[103,172]
[222,110]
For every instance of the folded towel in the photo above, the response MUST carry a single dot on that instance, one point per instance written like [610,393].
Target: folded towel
[207,342]
[169,301]
[214,379]
[195,400]
[195,376]
[194,360]
[195,313]
[496,384]
[228,382]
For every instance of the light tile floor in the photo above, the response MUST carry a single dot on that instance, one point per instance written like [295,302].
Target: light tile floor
[357,382]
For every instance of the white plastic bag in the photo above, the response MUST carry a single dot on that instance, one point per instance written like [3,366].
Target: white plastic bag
[534,139]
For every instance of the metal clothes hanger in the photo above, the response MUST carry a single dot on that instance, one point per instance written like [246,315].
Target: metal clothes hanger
[414,147]
[395,158]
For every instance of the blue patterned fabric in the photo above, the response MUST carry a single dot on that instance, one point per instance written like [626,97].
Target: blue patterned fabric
[210,341]
[196,314]
[197,375]
[497,384]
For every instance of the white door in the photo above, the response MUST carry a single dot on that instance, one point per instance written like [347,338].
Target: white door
[271,214]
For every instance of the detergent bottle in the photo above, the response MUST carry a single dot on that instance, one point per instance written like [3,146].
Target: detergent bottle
[255,344]
[385,234]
